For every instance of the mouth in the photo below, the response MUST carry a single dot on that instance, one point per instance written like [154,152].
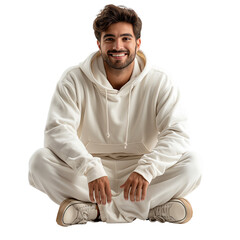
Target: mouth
[118,55]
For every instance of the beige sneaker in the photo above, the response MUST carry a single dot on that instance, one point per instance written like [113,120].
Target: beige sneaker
[174,211]
[73,211]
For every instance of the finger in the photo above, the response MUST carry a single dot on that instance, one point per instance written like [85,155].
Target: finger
[102,194]
[126,190]
[91,193]
[138,192]
[144,191]
[108,193]
[133,190]
[96,192]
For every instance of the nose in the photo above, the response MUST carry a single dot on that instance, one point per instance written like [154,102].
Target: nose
[118,45]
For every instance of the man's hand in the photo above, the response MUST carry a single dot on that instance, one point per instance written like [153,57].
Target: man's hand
[137,185]
[101,189]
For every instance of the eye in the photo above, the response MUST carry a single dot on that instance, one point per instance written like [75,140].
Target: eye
[127,39]
[109,39]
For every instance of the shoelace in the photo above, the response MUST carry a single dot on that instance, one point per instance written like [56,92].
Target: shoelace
[82,216]
[161,214]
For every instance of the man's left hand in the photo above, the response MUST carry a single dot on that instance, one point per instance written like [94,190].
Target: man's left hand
[137,185]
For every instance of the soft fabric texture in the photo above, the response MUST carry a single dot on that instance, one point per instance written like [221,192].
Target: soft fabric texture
[51,175]
[90,121]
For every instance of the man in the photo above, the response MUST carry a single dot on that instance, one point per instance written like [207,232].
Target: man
[115,142]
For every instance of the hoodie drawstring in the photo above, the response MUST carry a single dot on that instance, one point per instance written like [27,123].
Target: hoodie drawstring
[108,133]
[128,116]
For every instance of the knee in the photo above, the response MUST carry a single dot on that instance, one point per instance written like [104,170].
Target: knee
[38,159]
[191,166]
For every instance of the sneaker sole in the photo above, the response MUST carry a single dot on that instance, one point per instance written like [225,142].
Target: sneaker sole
[188,209]
[61,212]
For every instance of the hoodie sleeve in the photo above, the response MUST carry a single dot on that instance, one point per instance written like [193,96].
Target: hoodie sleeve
[61,131]
[172,139]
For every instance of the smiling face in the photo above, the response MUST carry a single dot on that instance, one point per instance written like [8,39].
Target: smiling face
[118,46]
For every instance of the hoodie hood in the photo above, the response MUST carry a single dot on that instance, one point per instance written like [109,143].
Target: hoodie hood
[93,68]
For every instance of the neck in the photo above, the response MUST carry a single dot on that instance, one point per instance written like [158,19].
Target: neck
[118,77]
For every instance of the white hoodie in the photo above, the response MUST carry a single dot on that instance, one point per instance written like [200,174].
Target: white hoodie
[89,120]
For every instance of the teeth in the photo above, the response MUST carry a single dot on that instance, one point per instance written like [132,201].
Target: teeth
[118,55]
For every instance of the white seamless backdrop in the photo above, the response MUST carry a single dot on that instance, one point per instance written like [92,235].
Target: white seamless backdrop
[196,42]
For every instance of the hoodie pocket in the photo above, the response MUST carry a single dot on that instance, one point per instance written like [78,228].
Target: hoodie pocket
[132,148]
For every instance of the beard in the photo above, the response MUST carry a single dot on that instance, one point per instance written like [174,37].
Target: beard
[118,64]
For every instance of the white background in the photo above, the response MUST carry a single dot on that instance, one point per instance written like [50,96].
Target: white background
[197,43]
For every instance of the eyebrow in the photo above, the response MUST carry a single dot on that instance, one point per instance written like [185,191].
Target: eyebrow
[122,35]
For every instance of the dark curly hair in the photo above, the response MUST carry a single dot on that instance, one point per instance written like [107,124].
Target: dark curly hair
[114,14]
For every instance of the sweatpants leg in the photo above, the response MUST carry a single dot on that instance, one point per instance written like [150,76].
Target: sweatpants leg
[51,175]
[176,182]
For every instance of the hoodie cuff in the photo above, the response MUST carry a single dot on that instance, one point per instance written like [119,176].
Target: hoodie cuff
[95,172]
[145,171]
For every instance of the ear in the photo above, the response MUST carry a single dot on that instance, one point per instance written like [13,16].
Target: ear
[99,45]
[138,43]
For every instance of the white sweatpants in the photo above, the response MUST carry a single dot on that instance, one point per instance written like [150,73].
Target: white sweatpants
[54,177]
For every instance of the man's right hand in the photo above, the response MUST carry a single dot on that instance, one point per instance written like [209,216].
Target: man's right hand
[100,189]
